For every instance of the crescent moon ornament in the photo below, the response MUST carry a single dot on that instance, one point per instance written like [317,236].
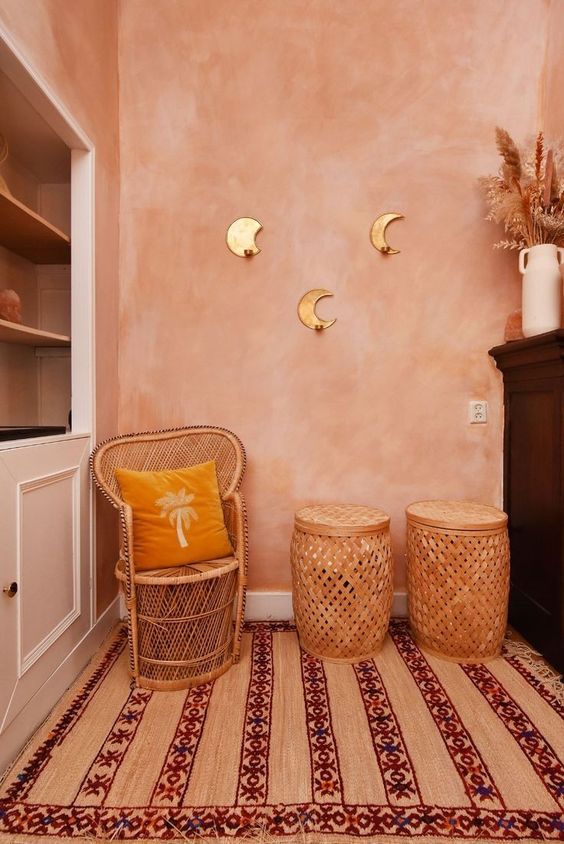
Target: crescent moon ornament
[378,233]
[241,237]
[306,310]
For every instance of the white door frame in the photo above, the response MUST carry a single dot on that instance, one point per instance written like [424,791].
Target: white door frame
[33,86]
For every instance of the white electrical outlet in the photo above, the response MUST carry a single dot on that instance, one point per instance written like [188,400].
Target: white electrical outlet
[478,412]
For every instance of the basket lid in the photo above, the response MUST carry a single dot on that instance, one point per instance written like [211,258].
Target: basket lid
[341,519]
[458,515]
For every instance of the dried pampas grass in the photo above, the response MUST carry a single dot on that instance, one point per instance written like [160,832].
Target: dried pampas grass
[527,195]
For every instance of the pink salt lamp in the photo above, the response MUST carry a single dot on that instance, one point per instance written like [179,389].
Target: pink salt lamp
[514,326]
[10,305]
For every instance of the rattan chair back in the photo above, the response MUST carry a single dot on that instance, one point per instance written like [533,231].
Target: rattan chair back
[170,449]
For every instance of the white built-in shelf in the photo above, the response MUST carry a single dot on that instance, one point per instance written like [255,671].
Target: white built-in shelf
[23,335]
[29,235]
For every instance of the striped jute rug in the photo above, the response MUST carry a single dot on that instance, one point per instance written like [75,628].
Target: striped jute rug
[285,746]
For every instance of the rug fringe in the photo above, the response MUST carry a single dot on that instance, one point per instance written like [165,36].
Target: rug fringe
[548,676]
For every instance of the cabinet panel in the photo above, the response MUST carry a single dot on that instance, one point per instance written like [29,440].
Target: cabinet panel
[533,481]
[49,528]
[533,374]
[45,529]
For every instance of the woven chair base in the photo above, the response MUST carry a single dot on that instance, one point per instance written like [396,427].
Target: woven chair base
[182,627]
[186,683]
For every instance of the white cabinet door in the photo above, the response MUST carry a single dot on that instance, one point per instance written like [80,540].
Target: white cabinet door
[45,549]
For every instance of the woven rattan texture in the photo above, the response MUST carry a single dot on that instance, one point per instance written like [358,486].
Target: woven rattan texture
[460,515]
[185,632]
[342,593]
[170,450]
[458,589]
[181,633]
[341,519]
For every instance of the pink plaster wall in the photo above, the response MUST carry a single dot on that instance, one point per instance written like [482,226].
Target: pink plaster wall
[316,117]
[74,47]
[553,87]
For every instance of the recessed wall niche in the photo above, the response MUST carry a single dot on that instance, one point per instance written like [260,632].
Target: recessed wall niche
[35,356]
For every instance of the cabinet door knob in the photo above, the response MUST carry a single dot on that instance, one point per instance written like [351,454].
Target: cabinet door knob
[10,590]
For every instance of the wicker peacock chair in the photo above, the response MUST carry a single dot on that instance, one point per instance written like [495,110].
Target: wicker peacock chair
[184,623]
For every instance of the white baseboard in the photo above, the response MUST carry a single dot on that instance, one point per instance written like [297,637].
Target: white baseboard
[269,606]
[399,604]
[38,708]
[277,606]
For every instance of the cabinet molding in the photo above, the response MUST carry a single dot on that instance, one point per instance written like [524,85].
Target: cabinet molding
[25,488]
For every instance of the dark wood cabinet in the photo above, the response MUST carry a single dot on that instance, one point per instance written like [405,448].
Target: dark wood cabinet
[533,377]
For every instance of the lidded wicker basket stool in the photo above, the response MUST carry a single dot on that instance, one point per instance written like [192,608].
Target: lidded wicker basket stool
[342,580]
[458,578]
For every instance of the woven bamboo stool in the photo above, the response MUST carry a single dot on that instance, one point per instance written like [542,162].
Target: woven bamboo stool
[342,580]
[458,578]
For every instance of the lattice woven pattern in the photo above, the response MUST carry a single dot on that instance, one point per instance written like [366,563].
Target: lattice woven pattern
[341,519]
[458,589]
[180,620]
[461,515]
[174,449]
[184,624]
[342,590]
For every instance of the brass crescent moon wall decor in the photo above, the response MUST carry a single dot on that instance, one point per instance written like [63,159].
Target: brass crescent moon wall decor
[378,233]
[306,310]
[241,237]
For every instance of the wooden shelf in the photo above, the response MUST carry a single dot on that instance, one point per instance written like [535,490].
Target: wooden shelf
[29,235]
[23,335]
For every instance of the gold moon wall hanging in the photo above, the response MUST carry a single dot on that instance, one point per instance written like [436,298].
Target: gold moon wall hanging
[241,237]
[378,233]
[306,310]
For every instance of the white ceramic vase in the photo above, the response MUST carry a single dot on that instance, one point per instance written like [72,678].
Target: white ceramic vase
[542,288]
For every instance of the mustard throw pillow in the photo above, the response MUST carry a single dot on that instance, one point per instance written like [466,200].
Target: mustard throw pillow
[177,516]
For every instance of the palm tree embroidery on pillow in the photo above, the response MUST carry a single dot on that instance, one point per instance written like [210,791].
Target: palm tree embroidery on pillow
[180,514]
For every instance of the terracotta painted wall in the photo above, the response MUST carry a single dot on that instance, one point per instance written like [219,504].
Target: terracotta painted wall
[315,118]
[553,88]
[75,50]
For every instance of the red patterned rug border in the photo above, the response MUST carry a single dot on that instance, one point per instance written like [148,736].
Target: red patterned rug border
[396,768]
[253,765]
[209,822]
[534,746]
[273,626]
[176,771]
[26,778]
[101,774]
[326,779]
[467,759]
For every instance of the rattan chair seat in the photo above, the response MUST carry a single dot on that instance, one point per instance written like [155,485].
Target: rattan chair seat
[180,574]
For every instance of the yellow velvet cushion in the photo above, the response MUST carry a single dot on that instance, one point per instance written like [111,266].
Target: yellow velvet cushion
[177,516]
